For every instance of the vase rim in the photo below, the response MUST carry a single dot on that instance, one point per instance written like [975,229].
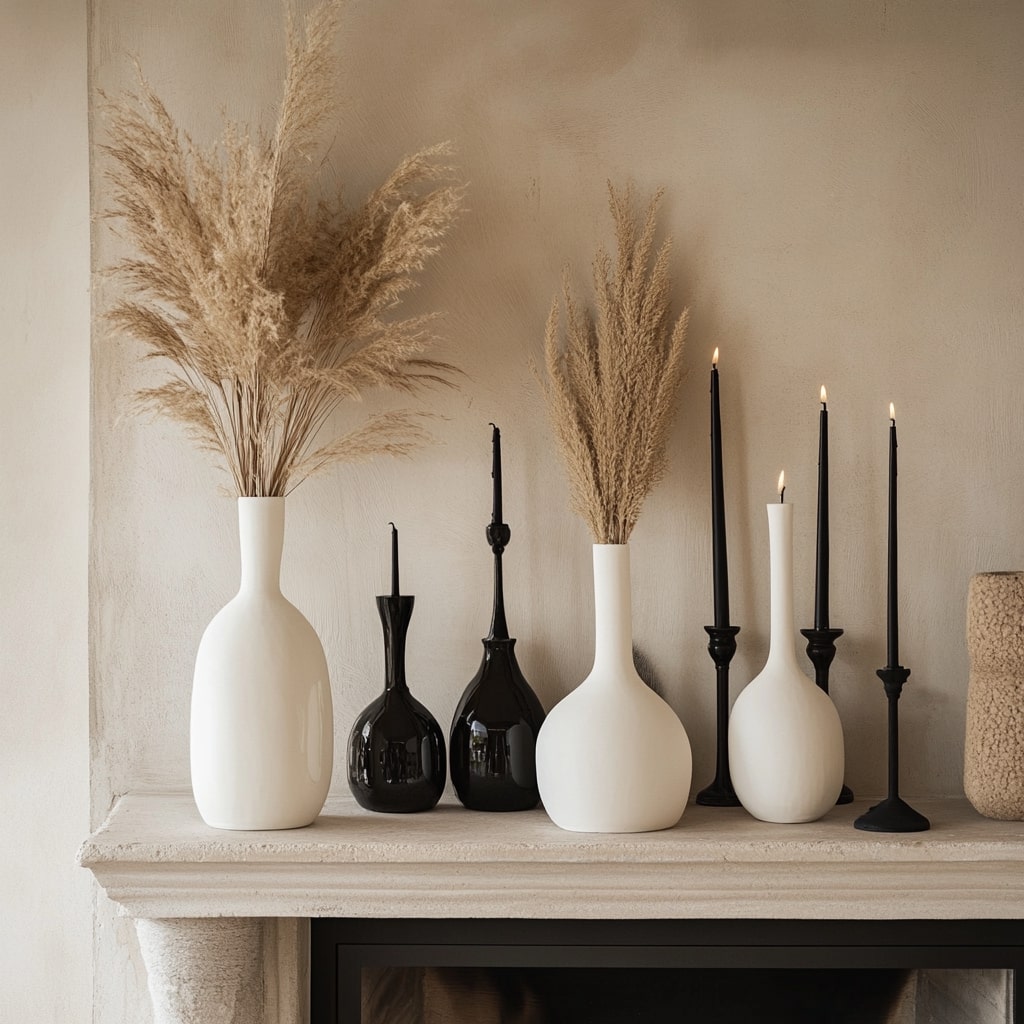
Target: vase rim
[1002,572]
[259,497]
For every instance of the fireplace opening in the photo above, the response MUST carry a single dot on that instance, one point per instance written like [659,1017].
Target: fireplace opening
[615,972]
[581,995]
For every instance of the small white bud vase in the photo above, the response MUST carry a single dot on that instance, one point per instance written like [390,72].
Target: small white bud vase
[785,737]
[262,734]
[612,756]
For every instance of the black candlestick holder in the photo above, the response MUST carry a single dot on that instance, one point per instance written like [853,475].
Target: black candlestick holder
[821,649]
[721,647]
[893,814]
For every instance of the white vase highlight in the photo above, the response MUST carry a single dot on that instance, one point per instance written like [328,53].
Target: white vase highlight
[612,756]
[262,729]
[785,738]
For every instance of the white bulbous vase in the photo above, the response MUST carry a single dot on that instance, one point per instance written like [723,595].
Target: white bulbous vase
[785,737]
[262,731]
[612,756]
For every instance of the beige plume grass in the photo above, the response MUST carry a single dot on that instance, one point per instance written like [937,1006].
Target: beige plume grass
[612,376]
[272,305]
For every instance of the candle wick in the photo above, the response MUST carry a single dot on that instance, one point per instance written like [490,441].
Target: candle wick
[782,495]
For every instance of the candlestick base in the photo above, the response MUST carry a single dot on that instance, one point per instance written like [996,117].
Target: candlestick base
[721,647]
[718,794]
[821,649]
[892,815]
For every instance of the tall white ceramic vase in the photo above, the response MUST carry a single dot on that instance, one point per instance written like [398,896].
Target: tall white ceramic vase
[262,735]
[785,737]
[612,756]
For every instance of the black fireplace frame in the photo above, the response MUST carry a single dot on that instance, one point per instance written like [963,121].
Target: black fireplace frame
[342,947]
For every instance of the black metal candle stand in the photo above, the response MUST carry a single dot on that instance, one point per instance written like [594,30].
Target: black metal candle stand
[721,647]
[893,814]
[821,649]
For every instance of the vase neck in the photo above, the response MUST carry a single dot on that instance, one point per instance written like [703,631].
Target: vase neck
[613,609]
[261,539]
[395,614]
[780,541]
[499,625]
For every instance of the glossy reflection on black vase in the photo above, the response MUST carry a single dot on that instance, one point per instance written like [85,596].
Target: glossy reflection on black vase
[396,755]
[494,732]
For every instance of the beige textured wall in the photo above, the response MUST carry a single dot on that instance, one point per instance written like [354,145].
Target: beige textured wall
[45,900]
[844,189]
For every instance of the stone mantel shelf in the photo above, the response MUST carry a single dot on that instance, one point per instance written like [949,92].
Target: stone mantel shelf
[156,859]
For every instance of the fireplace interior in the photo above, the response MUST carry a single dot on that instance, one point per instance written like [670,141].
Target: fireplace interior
[727,972]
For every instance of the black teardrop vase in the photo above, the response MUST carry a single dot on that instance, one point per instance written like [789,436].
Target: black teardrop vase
[494,735]
[396,754]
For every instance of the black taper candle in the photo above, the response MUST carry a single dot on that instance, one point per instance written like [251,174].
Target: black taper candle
[892,617]
[821,560]
[719,554]
[496,472]
[394,560]
[821,640]
[722,635]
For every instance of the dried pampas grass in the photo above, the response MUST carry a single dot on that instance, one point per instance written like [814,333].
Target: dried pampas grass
[271,306]
[612,382]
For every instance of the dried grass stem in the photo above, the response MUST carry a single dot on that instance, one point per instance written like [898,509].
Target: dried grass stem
[612,377]
[270,305]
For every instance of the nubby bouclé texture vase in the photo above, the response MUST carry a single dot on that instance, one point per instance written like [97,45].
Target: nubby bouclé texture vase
[994,747]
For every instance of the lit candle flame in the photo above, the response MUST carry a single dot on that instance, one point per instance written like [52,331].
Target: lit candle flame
[782,485]
[892,412]
[824,395]
[714,358]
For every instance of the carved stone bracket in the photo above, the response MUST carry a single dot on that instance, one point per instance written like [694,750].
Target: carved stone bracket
[203,970]
[225,970]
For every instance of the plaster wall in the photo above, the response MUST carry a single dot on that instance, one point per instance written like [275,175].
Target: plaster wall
[45,900]
[844,190]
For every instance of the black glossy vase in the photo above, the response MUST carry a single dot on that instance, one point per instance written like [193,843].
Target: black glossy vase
[494,733]
[396,755]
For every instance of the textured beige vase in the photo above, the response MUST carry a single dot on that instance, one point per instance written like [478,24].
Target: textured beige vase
[994,750]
